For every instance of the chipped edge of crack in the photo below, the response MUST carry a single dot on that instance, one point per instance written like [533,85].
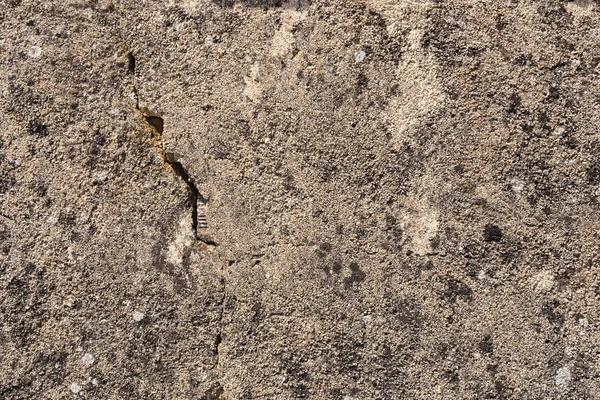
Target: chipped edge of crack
[198,201]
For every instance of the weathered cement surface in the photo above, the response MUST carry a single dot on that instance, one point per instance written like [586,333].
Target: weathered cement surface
[394,199]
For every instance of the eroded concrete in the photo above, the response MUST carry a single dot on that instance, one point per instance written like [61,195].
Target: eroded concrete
[325,199]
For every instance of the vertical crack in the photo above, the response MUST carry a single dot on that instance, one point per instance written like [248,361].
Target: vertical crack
[199,221]
[219,337]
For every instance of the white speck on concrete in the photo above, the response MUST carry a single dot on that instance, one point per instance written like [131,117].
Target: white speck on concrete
[95,382]
[558,131]
[117,112]
[35,52]
[83,218]
[138,316]
[360,56]
[563,377]
[100,177]
[75,388]
[544,281]
[88,359]
[89,13]
[481,275]
[575,64]
[517,186]
[583,322]
[367,319]
[568,351]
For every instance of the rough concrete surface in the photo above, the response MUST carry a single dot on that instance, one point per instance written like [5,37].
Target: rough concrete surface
[326,199]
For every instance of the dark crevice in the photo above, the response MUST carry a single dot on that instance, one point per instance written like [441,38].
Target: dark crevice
[131,63]
[131,69]
[157,123]
[182,173]
[196,198]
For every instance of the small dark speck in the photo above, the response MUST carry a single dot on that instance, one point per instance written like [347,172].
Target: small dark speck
[492,233]
[357,276]
[486,345]
[325,247]
[387,352]
[456,289]
[337,267]
[36,128]
[452,376]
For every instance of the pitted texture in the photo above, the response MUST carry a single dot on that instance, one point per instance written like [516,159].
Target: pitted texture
[283,200]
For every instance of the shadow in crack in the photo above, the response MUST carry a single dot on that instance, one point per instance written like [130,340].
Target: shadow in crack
[263,3]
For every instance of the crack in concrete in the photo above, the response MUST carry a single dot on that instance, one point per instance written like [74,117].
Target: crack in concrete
[219,338]
[199,220]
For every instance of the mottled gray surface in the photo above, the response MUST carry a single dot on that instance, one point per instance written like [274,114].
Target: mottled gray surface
[331,199]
